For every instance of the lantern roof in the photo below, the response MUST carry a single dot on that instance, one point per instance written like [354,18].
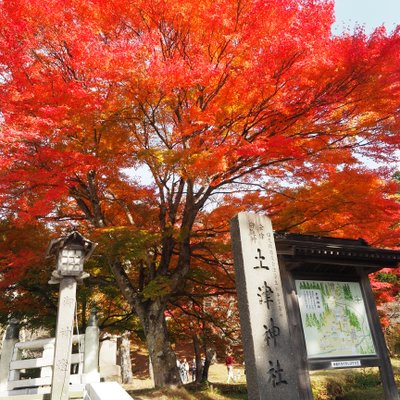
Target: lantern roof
[72,239]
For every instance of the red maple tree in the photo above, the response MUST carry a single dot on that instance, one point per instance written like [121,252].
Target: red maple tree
[147,123]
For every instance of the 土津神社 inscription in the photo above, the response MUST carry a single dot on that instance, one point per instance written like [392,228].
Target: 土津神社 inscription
[270,370]
[272,331]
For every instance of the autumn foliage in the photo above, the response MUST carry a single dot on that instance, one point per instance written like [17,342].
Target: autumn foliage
[149,124]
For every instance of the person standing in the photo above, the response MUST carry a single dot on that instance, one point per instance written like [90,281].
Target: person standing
[194,369]
[229,361]
[181,370]
[185,371]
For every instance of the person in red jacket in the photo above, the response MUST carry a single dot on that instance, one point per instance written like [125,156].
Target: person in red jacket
[229,361]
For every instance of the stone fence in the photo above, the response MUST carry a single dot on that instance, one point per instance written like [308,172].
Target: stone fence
[26,368]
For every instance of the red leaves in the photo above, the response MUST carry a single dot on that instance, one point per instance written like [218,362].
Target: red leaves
[214,93]
[273,147]
[352,203]
[386,287]
[20,250]
[210,98]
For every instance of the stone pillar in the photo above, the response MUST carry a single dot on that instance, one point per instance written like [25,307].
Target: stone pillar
[10,339]
[271,369]
[106,390]
[109,370]
[91,360]
[125,358]
[48,354]
[63,347]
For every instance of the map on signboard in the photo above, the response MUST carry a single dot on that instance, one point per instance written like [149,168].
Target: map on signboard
[334,319]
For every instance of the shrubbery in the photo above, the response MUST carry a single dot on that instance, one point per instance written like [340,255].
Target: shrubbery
[343,385]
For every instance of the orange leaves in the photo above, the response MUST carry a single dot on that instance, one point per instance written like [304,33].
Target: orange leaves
[274,147]
[154,122]
[205,97]
[205,90]
[210,92]
[350,203]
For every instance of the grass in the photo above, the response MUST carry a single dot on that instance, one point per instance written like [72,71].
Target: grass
[347,384]
[217,389]
[192,392]
[354,384]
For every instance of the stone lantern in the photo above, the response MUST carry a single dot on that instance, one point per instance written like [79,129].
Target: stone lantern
[71,252]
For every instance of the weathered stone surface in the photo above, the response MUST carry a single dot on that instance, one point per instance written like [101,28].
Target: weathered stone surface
[109,370]
[63,347]
[91,359]
[270,370]
[10,338]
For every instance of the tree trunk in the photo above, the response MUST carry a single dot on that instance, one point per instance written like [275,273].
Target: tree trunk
[152,318]
[125,354]
[197,352]
[204,372]
[162,356]
[210,355]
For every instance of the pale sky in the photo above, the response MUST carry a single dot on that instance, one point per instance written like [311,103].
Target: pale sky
[369,13]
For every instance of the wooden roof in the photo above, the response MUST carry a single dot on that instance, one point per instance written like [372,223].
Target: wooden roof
[333,254]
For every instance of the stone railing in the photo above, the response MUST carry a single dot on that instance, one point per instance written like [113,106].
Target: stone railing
[31,367]
[27,367]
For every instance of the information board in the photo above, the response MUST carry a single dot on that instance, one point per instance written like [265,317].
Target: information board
[334,319]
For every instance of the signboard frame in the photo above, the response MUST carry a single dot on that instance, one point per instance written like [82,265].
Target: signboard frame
[269,277]
[336,362]
[314,258]
[335,310]
[320,267]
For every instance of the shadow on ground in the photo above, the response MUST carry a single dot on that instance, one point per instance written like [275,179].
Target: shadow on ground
[193,391]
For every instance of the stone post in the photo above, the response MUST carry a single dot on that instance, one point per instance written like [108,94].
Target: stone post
[109,370]
[125,358]
[48,354]
[270,368]
[64,332]
[91,360]
[10,339]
